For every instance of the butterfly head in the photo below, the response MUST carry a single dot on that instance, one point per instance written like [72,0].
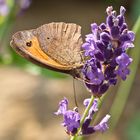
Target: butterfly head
[24,41]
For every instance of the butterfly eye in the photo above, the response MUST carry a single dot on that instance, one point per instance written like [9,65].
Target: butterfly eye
[29,44]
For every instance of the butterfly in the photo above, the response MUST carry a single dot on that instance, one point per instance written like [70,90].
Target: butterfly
[55,46]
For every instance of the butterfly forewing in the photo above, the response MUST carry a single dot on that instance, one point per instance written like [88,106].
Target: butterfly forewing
[62,42]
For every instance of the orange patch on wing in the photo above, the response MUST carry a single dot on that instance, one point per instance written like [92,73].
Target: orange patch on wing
[37,53]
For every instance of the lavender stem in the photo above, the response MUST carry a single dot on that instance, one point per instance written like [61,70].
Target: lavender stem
[83,118]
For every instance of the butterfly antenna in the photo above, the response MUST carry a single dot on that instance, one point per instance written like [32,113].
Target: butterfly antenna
[75,98]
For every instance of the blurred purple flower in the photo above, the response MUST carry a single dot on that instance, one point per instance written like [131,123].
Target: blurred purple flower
[4,8]
[105,50]
[24,4]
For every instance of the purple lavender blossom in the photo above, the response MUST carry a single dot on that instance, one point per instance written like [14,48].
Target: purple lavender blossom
[105,50]
[92,72]
[72,118]
[93,109]
[63,106]
[123,62]
[4,8]
[102,126]
[122,72]
[71,121]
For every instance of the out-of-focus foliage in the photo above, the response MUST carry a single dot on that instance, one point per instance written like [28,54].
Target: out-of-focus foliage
[133,128]
[136,9]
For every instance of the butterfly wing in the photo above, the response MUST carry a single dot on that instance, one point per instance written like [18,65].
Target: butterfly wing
[62,42]
[34,53]
[50,54]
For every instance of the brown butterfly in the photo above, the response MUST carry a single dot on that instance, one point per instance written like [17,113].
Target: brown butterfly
[56,46]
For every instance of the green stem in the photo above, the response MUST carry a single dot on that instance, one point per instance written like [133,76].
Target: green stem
[125,87]
[99,107]
[83,118]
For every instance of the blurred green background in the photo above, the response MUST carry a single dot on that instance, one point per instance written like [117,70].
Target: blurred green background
[30,94]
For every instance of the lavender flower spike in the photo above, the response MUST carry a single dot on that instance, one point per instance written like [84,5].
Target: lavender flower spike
[105,51]
[72,118]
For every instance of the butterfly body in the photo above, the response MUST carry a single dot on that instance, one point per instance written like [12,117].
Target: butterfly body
[56,46]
